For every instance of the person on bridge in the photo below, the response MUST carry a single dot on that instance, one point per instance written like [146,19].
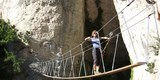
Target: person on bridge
[96,50]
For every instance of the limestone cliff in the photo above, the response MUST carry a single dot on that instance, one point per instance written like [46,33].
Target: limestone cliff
[63,24]
[140,20]
[53,24]
[50,22]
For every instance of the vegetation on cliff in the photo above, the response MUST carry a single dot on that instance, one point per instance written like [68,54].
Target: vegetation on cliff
[9,63]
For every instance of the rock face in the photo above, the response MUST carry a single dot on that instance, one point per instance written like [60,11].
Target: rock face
[61,24]
[139,28]
[53,24]
[50,22]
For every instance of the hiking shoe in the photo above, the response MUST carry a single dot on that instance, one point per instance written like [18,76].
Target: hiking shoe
[96,72]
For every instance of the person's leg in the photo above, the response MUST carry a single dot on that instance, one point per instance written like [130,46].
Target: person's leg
[94,68]
[97,69]
[98,57]
[94,59]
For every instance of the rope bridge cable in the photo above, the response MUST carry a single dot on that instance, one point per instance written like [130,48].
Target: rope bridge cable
[130,19]
[106,35]
[147,51]
[105,24]
[46,64]
[101,56]
[113,62]
[130,36]
[114,29]
[108,23]
[83,62]
[100,74]
[105,73]
[122,25]
[134,24]
[54,70]
[110,35]
[55,66]
[116,15]
[156,21]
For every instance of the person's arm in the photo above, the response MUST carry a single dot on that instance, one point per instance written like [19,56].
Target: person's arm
[105,38]
[87,38]
[110,34]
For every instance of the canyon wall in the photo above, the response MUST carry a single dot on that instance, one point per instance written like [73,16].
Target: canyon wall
[61,24]
[52,25]
[140,31]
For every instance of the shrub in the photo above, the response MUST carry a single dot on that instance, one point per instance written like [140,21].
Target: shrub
[9,63]
[7,33]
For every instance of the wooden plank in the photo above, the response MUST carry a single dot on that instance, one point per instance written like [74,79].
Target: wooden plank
[100,74]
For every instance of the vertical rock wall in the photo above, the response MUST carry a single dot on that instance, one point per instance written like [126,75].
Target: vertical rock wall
[41,18]
[139,34]
[53,24]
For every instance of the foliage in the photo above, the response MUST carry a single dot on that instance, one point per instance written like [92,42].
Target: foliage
[7,32]
[24,37]
[156,47]
[16,62]
[151,66]
[10,64]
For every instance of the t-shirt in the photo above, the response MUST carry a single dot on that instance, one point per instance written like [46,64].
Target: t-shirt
[95,42]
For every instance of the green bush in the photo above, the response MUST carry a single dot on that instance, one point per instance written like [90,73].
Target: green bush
[7,33]
[10,64]
[156,47]
[16,62]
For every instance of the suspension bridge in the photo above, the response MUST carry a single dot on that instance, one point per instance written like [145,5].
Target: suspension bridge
[71,65]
